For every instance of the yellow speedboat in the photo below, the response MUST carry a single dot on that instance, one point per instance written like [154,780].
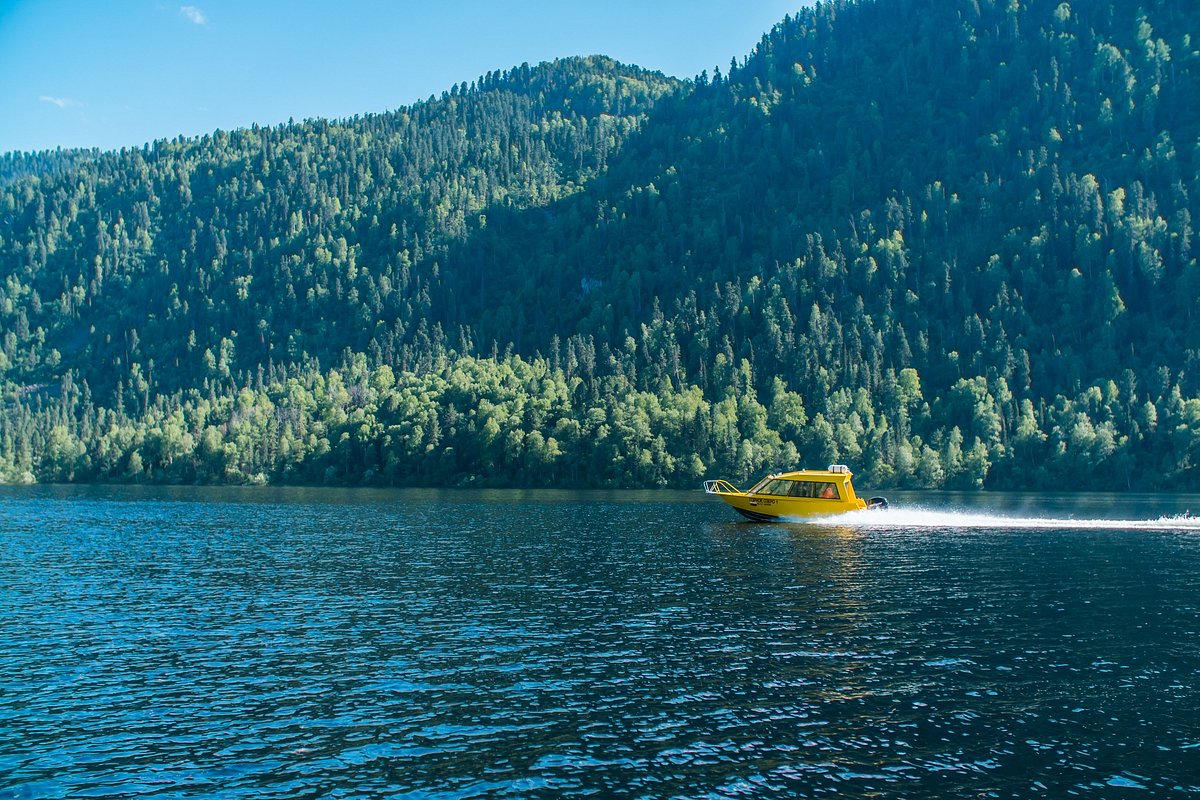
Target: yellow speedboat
[806,493]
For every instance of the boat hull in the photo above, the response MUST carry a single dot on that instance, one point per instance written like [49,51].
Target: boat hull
[754,516]
[774,509]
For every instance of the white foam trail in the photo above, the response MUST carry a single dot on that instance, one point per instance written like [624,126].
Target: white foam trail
[936,519]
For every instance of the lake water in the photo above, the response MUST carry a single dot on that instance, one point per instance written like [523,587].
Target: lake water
[275,643]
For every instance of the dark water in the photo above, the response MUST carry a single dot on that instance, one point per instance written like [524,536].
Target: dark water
[294,644]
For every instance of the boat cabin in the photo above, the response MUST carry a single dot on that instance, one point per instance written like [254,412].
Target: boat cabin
[810,484]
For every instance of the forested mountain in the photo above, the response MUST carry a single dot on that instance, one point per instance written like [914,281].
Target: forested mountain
[948,242]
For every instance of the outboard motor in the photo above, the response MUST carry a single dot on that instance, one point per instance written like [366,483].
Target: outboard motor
[877,502]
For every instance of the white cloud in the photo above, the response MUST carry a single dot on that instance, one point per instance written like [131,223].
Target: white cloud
[193,15]
[61,102]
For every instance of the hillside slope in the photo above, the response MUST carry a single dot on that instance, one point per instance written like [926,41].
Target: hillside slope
[292,239]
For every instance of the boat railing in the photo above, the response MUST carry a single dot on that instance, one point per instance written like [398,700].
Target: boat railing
[721,487]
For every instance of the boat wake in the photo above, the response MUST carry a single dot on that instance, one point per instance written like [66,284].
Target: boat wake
[921,518]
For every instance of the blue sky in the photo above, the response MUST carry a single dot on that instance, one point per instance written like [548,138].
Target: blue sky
[113,73]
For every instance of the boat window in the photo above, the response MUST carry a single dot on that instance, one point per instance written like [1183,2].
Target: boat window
[776,487]
[820,490]
[825,490]
[759,487]
[801,489]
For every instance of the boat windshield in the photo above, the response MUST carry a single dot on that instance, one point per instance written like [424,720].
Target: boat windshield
[779,487]
[773,486]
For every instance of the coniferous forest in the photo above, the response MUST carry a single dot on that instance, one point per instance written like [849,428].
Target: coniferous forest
[946,242]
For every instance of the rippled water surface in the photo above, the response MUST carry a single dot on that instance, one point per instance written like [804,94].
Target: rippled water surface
[307,643]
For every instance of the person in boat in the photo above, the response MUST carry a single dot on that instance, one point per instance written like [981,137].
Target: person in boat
[828,493]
